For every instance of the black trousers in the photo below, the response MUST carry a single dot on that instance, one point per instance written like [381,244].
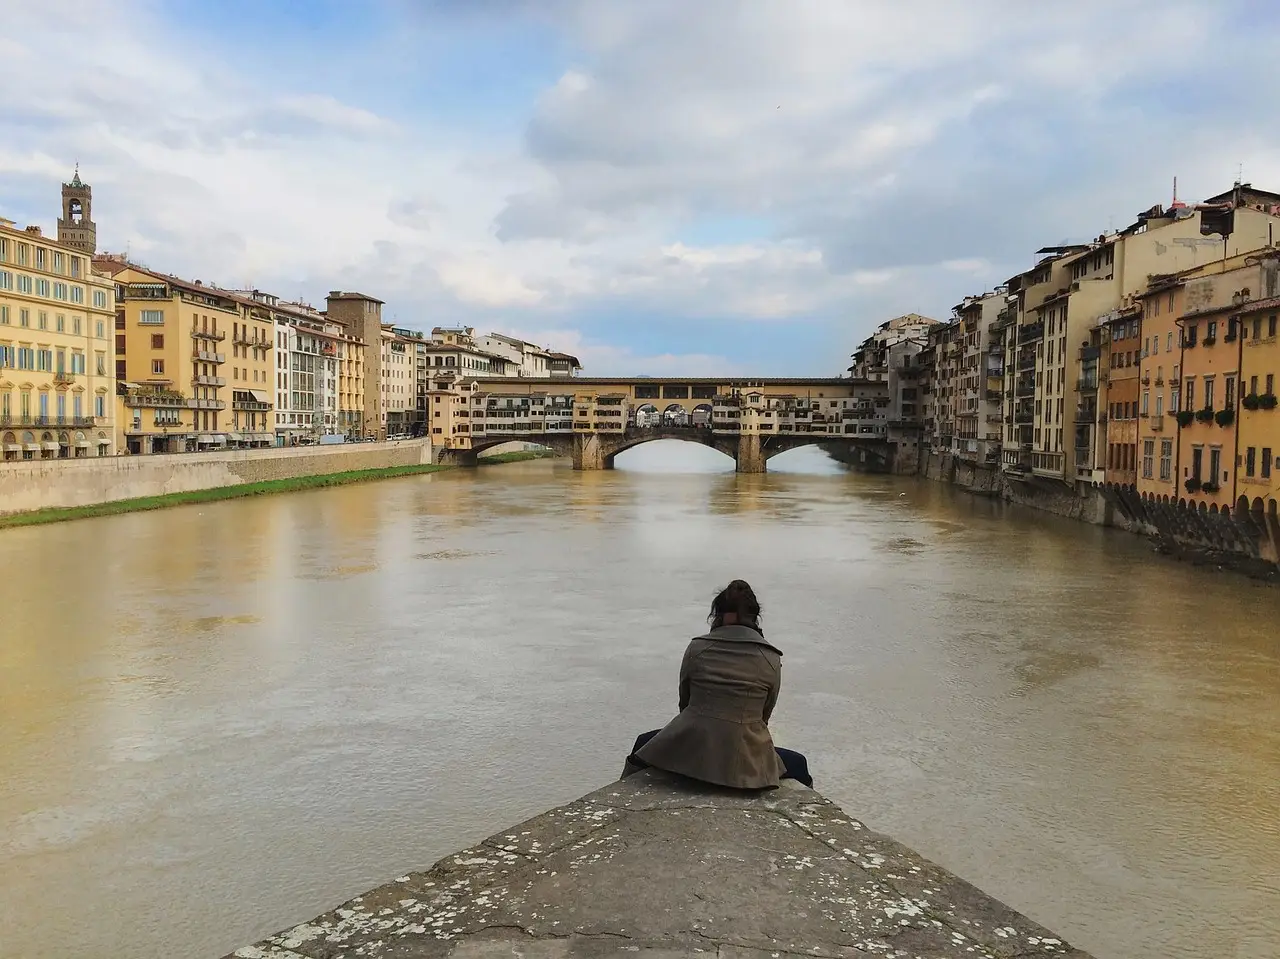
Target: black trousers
[797,767]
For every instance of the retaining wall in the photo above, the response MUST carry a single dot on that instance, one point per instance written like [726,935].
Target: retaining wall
[43,484]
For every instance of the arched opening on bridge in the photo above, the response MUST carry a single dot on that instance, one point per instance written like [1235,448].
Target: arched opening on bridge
[673,456]
[701,415]
[647,415]
[675,415]
[811,459]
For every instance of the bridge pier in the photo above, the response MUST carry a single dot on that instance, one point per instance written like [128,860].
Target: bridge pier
[750,458]
[588,454]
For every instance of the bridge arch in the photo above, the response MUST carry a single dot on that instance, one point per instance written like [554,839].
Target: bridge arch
[702,437]
[647,415]
[675,415]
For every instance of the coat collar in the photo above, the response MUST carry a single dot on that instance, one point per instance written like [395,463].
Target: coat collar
[739,634]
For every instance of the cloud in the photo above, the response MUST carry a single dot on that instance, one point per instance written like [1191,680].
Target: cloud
[792,171]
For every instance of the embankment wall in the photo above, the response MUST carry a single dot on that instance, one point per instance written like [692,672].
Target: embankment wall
[1245,539]
[46,484]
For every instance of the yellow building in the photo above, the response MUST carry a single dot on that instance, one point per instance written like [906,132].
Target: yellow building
[56,369]
[1258,484]
[180,388]
[1161,377]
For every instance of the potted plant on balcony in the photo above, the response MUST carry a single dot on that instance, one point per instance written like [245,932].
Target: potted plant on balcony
[1209,486]
[1251,402]
[1185,417]
[1192,485]
[1267,401]
[1210,340]
[1225,417]
[1205,415]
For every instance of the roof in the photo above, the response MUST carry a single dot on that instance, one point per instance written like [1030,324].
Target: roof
[565,356]
[350,295]
[579,382]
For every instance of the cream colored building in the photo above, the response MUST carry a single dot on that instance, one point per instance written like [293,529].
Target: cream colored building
[399,380]
[57,379]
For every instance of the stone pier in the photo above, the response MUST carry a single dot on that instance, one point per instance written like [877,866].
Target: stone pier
[661,867]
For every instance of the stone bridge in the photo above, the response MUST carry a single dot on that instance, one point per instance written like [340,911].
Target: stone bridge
[749,451]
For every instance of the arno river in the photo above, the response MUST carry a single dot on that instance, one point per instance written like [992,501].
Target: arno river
[220,720]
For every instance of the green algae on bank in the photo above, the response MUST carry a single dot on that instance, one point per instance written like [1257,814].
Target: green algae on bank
[214,494]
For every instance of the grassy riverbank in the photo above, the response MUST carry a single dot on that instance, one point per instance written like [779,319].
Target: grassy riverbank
[518,456]
[59,515]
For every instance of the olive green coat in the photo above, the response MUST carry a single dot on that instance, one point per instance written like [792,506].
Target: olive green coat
[729,682]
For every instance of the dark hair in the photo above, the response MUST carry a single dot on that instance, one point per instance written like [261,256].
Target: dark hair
[738,597]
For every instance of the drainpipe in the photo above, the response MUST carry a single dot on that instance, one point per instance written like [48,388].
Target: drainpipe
[1235,405]
[1182,405]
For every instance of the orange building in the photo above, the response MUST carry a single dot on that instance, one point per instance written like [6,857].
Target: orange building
[1210,376]
[1124,359]
[1161,388]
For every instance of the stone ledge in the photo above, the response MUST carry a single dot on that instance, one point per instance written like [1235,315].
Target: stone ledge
[664,867]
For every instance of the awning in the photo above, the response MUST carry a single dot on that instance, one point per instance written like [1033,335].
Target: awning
[260,396]
[51,445]
[84,444]
[31,447]
[235,438]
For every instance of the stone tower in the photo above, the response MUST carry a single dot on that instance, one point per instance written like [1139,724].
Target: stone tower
[76,227]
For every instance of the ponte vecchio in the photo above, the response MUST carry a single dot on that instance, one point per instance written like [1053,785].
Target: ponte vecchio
[593,419]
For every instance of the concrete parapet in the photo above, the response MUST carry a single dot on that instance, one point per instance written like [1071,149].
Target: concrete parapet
[662,867]
[46,484]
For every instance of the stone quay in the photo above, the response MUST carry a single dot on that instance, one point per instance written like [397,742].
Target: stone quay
[658,866]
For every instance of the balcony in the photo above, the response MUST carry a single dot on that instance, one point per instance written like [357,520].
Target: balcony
[81,421]
[1156,423]
[169,399]
[204,356]
[62,378]
[198,404]
[1026,387]
[1031,332]
[215,336]
[1024,416]
[201,380]
[1026,363]
[252,406]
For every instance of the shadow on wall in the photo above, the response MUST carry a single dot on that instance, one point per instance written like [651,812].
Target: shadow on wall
[1246,538]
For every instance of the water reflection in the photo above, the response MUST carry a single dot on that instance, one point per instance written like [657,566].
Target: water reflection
[245,712]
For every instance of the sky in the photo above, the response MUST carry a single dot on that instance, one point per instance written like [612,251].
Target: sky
[660,187]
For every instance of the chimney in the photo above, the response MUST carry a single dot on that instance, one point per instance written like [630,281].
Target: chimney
[198,283]
[34,231]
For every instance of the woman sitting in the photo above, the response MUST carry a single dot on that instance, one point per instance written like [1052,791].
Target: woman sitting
[729,682]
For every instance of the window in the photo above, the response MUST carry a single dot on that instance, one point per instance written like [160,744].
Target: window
[42,287]
[75,266]
[1148,457]
[100,299]
[1250,461]
[1212,332]
[1208,392]
[1197,462]
[1271,383]
[1257,327]
[42,261]
[100,330]
[1271,325]
[1266,462]
[1168,342]
[60,323]
[1145,398]
[157,341]
[100,406]
[100,363]
[157,367]
[1253,384]
[77,294]
[1159,402]
[6,280]
[1215,463]
[24,283]
[151,317]
[77,362]
[4,316]
[24,251]
[1229,392]
[60,291]
[1166,460]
